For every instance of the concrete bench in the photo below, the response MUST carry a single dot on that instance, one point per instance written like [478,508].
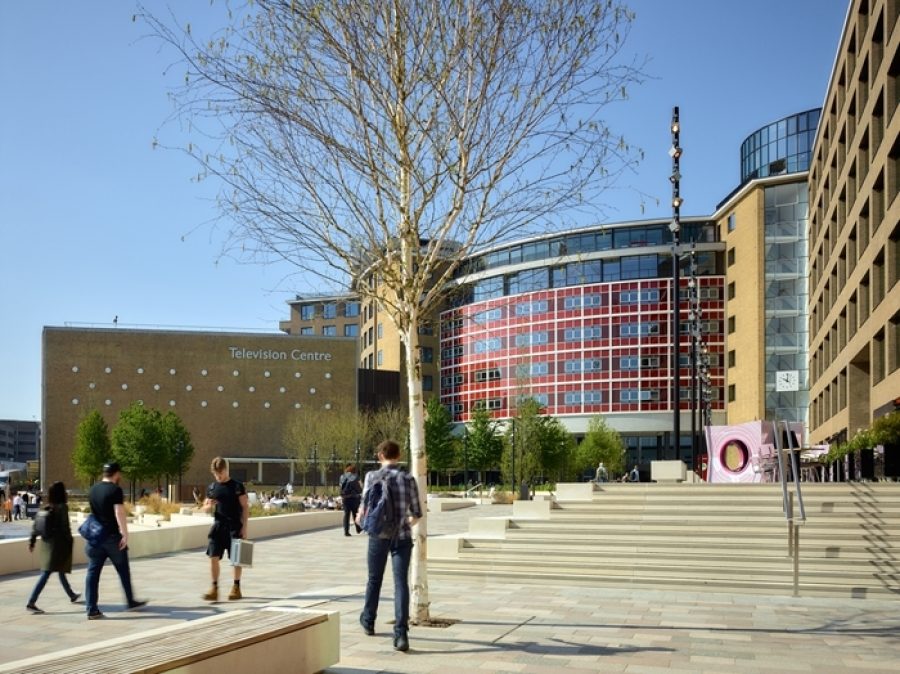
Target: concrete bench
[271,639]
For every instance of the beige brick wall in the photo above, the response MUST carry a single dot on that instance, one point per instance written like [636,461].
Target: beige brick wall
[93,366]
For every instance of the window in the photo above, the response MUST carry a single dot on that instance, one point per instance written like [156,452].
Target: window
[380,359]
[451,352]
[380,330]
[542,399]
[634,395]
[731,393]
[731,290]
[582,302]
[488,288]
[329,310]
[351,330]
[491,374]
[481,317]
[581,334]
[532,338]
[329,330]
[427,382]
[307,330]
[528,281]
[731,223]
[731,358]
[427,354]
[731,324]
[351,309]
[451,380]
[426,329]
[531,308]
[586,365]
[488,404]
[583,397]
[532,369]
[639,296]
[371,334]
[638,329]
[308,312]
[730,256]
[489,344]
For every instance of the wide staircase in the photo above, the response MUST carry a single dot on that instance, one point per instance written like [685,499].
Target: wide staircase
[700,537]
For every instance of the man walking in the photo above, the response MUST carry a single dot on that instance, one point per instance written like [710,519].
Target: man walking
[232,510]
[404,496]
[351,490]
[107,506]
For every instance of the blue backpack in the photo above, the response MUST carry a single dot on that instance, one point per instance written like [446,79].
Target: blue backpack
[381,512]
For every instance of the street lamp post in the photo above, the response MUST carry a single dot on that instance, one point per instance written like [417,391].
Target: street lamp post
[466,456]
[675,227]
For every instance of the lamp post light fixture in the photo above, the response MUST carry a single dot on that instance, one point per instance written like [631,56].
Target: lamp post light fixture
[675,153]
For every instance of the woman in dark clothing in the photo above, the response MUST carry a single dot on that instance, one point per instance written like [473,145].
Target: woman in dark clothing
[56,545]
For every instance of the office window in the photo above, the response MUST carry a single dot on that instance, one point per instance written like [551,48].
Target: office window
[582,302]
[731,358]
[427,354]
[308,312]
[489,344]
[491,374]
[579,334]
[329,310]
[731,290]
[731,324]
[483,317]
[380,359]
[531,308]
[532,369]
[638,329]
[633,395]
[731,223]
[351,309]
[451,352]
[427,382]
[351,330]
[583,397]
[329,330]
[731,393]
[307,330]
[730,256]
[380,330]
[532,338]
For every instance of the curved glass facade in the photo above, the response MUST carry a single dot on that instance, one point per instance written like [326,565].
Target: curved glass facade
[780,147]
[586,332]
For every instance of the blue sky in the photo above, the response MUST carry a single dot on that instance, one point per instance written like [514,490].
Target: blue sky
[95,224]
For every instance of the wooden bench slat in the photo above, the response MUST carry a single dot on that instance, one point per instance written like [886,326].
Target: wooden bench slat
[160,653]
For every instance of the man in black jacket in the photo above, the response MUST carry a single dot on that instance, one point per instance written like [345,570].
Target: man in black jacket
[107,505]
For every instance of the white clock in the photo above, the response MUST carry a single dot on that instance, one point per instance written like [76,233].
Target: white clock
[787,380]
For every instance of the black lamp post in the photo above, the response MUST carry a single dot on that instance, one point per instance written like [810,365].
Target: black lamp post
[334,462]
[358,467]
[675,227]
[314,457]
[466,456]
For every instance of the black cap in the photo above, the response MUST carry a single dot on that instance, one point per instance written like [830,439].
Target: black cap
[110,469]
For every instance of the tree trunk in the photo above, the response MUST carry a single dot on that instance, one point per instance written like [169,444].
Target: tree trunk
[420,602]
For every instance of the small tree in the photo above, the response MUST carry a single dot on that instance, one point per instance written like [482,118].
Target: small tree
[485,443]
[138,443]
[177,446]
[92,447]
[540,442]
[388,423]
[439,441]
[601,443]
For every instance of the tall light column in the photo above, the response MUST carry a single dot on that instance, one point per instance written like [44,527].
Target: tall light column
[675,228]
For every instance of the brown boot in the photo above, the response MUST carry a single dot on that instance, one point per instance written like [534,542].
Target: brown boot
[235,593]
[213,594]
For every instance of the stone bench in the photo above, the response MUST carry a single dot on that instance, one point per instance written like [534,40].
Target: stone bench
[271,639]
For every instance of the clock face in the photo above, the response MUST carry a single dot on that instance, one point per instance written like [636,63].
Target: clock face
[787,380]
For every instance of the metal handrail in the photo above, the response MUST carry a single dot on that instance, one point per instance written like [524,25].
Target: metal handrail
[786,503]
[795,467]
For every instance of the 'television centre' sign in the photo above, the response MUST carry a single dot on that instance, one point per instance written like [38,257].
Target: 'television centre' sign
[240,353]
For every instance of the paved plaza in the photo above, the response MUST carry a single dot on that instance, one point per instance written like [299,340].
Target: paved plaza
[530,629]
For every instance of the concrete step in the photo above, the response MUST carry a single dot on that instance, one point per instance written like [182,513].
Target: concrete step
[854,551]
[680,584]
[762,570]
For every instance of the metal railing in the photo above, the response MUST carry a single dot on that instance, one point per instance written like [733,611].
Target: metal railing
[793,520]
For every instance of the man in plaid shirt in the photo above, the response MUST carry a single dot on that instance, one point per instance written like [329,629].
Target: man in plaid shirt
[408,510]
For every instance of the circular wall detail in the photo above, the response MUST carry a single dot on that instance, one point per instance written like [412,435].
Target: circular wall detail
[734,456]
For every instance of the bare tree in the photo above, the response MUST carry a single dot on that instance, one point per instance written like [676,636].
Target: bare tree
[389,140]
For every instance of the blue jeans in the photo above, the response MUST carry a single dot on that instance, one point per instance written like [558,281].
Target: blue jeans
[42,581]
[97,556]
[401,554]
